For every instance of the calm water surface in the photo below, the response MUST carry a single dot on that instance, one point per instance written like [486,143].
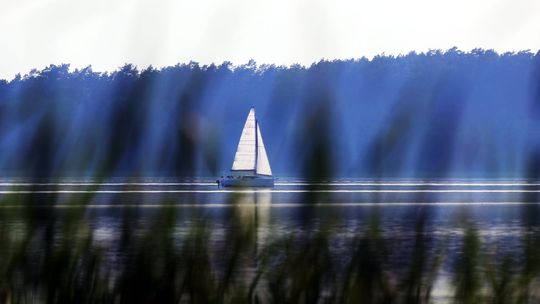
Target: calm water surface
[495,207]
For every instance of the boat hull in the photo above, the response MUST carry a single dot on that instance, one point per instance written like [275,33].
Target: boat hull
[247,182]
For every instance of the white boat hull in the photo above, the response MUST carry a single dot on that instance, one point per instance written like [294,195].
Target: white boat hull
[247,182]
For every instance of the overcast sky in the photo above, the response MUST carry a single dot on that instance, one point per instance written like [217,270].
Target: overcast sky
[108,33]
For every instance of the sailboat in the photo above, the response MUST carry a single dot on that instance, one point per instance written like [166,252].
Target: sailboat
[250,166]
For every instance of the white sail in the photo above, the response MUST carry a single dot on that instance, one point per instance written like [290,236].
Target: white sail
[263,166]
[244,159]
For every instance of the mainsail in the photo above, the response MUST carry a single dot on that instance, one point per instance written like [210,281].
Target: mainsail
[244,158]
[250,153]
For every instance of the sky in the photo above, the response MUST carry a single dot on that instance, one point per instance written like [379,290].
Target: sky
[109,33]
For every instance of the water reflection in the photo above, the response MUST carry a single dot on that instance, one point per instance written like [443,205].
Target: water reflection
[266,247]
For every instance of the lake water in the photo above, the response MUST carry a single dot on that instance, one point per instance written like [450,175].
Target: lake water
[401,217]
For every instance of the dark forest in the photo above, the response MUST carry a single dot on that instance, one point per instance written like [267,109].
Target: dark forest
[440,114]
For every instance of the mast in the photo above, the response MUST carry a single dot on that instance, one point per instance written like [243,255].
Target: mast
[256,144]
